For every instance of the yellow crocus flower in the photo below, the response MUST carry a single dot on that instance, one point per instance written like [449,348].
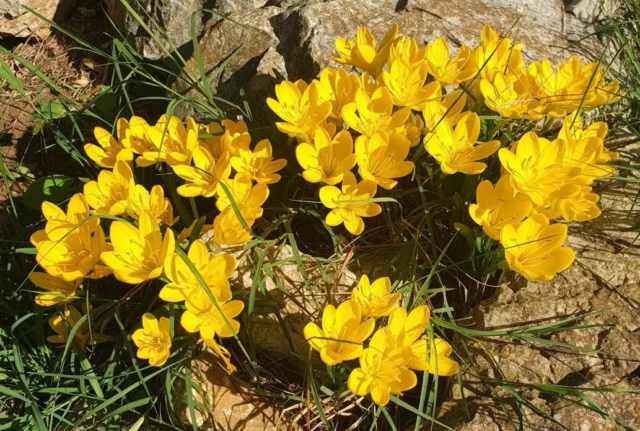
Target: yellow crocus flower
[230,137]
[408,329]
[447,70]
[202,178]
[406,49]
[173,142]
[342,333]
[140,200]
[248,197]
[259,163]
[138,253]
[300,106]
[371,114]
[75,256]
[381,158]
[537,169]
[211,318]
[375,298]
[153,340]
[60,224]
[222,352]
[328,158]
[499,206]
[383,369]
[456,149]
[407,84]
[110,194]
[108,150]
[184,284]
[229,230]
[63,323]
[59,290]
[364,52]
[350,204]
[534,249]
[448,108]
[585,148]
[133,134]
[338,87]
[582,206]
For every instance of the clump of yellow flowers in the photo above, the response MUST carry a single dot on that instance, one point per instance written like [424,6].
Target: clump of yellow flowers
[399,94]
[214,160]
[360,131]
[395,351]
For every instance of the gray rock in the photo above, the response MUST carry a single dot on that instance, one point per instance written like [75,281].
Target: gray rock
[168,20]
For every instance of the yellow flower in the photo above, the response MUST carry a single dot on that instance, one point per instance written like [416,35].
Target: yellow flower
[381,158]
[585,149]
[138,253]
[59,291]
[537,169]
[514,96]
[495,54]
[60,224]
[133,134]
[371,114]
[230,137]
[75,256]
[184,284]
[407,50]
[300,107]
[351,204]
[412,129]
[259,163]
[383,369]
[202,179]
[173,143]
[222,353]
[63,324]
[153,340]
[342,334]
[229,230]
[407,84]
[110,194]
[456,149]
[211,319]
[534,249]
[338,87]
[108,150]
[375,298]
[407,331]
[448,108]
[363,52]
[499,207]
[154,202]
[328,158]
[248,197]
[580,207]
[447,70]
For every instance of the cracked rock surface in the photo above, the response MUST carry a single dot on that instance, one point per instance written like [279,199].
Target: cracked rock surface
[254,48]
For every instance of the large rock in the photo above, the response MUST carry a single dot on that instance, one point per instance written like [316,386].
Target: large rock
[256,48]
[16,20]
[168,20]
[230,405]
[604,281]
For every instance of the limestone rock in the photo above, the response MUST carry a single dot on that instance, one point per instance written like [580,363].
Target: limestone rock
[17,21]
[171,31]
[604,281]
[226,6]
[231,406]
[590,11]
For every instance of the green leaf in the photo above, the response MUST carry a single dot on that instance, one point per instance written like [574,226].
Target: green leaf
[52,188]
